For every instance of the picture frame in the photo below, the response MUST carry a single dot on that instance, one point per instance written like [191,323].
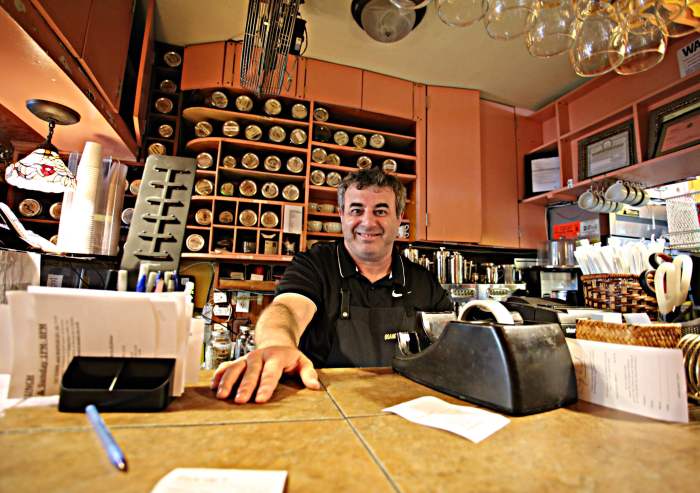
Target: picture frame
[674,126]
[542,172]
[611,149]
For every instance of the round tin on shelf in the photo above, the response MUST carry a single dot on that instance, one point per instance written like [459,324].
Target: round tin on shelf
[248,188]
[194,242]
[203,129]
[389,166]
[377,141]
[203,187]
[225,217]
[317,177]
[248,218]
[204,160]
[364,162]
[227,189]
[127,215]
[228,162]
[341,138]
[272,107]
[277,134]
[157,148]
[230,128]
[244,103]
[270,190]
[172,59]
[333,179]
[318,155]
[253,132]
[290,192]
[250,160]
[166,131]
[295,164]
[272,163]
[359,141]
[269,219]
[54,239]
[164,105]
[203,217]
[333,158]
[218,99]
[29,208]
[55,210]
[322,133]
[321,114]
[299,111]
[166,85]
[298,137]
[134,187]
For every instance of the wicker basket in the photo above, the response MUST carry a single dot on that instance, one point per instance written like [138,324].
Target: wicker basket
[619,293]
[656,335]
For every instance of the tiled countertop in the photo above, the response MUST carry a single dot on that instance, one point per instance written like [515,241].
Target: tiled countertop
[340,440]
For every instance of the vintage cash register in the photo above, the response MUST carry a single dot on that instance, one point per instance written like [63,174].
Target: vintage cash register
[485,357]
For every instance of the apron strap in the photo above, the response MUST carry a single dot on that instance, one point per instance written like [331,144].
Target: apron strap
[344,300]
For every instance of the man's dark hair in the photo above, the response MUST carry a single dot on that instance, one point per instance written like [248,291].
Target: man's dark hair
[373,177]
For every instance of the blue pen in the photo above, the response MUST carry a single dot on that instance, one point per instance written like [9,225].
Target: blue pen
[114,453]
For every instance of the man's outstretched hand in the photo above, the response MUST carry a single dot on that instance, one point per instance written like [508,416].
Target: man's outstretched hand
[262,368]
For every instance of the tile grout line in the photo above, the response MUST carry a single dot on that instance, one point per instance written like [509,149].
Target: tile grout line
[367,447]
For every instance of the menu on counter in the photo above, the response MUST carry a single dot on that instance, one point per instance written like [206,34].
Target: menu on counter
[641,380]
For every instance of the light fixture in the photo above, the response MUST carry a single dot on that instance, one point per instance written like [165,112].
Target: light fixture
[43,170]
[384,21]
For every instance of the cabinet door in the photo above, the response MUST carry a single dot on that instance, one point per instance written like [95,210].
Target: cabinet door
[499,172]
[453,168]
[332,83]
[143,80]
[533,225]
[68,19]
[203,66]
[107,45]
[387,95]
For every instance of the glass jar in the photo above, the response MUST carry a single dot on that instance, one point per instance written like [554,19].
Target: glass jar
[219,349]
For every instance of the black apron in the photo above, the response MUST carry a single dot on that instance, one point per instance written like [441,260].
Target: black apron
[368,336]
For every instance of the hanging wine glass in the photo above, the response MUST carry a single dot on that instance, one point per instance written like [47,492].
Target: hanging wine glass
[646,42]
[461,13]
[507,19]
[550,28]
[409,4]
[599,42]
[680,18]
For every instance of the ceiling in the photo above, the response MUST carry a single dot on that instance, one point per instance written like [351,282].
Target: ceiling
[433,53]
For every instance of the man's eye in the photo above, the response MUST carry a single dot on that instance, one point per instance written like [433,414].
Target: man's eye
[356,212]
[381,212]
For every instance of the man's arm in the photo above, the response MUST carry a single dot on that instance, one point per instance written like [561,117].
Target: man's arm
[277,335]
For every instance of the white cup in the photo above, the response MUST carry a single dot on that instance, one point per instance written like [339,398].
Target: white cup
[587,200]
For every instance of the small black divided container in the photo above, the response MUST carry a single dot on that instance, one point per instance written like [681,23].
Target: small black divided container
[117,384]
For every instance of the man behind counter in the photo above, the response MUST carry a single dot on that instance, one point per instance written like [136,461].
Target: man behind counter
[340,304]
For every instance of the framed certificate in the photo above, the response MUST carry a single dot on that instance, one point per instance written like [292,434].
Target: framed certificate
[542,172]
[609,150]
[680,117]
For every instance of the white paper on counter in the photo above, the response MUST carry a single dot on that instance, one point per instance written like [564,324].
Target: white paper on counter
[468,422]
[641,380]
[206,480]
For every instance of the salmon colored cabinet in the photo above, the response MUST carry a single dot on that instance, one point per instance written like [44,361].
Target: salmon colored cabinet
[332,83]
[203,66]
[68,19]
[145,71]
[453,166]
[387,95]
[499,179]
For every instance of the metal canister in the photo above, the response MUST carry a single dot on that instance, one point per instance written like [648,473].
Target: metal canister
[270,190]
[333,179]
[244,103]
[228,162]
[194,242]
[204,160]
[318,155]
[248,188]
[321,114]
[227,189]
[377,141]
[364,162]
[272,107]
[290,192]
[272,163]
[269,219]
[172,59]
[54,239]
[248,218]
[295,164]
[341,138]
[298,136]
[55,210]
[359,141]
[299,111]
[217,99]
[389,166]
[230,128]
[166,131]
[127,215]
[253,132]
[164,105]
[333,158]
[157,148]
[203,217]
[203,129]
[250,160]
[277,134]
[203,187]
[317,177]
[322,133]
[225,217]
[166,85]
[135,187]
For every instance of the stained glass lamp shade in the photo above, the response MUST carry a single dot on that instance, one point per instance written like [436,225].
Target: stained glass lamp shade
[43,170]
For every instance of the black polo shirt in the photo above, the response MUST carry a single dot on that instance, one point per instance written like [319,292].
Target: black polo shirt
[317,274]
